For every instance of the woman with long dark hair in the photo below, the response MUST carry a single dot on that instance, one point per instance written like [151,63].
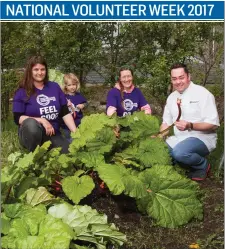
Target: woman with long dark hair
[38,105]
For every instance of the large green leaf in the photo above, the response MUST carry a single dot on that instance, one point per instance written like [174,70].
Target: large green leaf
[25,184]
[105,230]
[37,196]
[90,159]
[88,130]
[76,188]
[77,217]
[134,187]
[5,224]
[153,151]
[103,142]
[172,201]
[33,228]
[147,153]
[12,210]
[112,175]
[140,124]
[88,224]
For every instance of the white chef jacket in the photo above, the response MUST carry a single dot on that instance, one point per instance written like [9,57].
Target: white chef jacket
[197,106]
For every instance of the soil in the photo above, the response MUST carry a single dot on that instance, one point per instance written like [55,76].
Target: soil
[143,234]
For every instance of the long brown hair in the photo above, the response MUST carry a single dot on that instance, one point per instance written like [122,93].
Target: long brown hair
[27,80]
[123,68]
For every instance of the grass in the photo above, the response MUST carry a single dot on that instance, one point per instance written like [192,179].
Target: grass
[9,140]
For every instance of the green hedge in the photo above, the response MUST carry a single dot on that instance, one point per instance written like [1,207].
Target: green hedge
[9,84]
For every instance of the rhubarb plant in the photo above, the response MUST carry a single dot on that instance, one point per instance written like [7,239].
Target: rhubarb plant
[59,227]
[119,152]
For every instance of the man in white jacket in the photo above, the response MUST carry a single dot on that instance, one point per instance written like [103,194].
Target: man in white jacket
[194,130]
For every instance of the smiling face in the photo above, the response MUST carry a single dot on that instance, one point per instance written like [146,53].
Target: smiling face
[71,86]
[180,79]
[38,73]
[126,78]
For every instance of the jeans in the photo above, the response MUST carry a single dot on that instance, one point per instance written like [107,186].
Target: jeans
[66,133]
[32,134]
[190,153]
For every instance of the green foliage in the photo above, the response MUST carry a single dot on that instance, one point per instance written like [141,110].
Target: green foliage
[76,188]
[172,200]
[91,127]
[9,83]
[216,157]
[58,227]
[132,163]
[216,89]
[56,76]
[34,228]
[88,225]
[147,153]
[35,197]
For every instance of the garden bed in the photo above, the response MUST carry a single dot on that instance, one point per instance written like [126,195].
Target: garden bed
[142,234]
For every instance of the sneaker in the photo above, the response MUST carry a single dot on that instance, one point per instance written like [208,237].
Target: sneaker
[200,175]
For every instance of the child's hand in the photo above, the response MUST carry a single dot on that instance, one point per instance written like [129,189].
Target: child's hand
[80,106]
[69,103]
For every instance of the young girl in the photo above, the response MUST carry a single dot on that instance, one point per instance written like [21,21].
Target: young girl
[75,101]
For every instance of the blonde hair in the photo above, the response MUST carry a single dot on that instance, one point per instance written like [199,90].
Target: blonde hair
[73,78]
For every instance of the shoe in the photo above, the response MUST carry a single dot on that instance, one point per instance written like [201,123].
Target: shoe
[200,175]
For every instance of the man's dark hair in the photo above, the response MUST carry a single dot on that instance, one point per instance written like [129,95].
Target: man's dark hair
[180,65]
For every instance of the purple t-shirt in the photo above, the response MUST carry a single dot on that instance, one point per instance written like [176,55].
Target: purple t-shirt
[45,103]
[75,100]
[132,101]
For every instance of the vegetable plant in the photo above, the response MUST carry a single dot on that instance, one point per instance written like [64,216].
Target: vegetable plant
[118,155]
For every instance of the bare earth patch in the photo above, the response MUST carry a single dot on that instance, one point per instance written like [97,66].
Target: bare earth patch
[143,234]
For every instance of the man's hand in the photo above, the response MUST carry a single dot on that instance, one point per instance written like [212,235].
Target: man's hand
[182,125]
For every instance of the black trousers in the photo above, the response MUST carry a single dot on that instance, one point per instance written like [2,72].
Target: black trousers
[32,134]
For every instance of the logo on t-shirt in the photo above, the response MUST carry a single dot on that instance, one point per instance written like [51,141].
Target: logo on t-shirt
[44,100]
[129,105]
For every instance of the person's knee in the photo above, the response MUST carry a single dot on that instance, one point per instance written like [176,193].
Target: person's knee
[31,126]
[30,134]
[179,155]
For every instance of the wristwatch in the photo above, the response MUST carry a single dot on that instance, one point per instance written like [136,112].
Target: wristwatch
[191,127]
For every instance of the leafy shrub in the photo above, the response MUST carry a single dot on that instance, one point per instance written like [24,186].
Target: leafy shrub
[9,84]
[217,90]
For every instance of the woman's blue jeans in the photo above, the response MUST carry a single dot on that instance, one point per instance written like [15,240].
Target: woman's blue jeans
[190,153]
[67,135]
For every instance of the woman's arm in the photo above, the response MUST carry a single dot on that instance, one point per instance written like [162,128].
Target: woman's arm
[111,110]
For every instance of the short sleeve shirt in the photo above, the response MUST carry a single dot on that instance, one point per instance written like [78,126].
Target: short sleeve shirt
[75,100]
[197,106]
[45,103]
[131,101]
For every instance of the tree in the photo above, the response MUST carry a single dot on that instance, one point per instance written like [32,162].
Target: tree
[73,47]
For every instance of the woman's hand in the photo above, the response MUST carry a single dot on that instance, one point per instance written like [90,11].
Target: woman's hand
[48,127]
